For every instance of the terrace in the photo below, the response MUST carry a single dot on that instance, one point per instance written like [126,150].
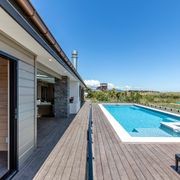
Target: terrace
[112,158]
[117,160]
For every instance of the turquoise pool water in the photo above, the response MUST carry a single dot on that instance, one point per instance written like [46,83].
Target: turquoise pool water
[142,122]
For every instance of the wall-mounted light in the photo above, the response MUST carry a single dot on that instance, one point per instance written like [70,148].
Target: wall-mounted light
[50,59]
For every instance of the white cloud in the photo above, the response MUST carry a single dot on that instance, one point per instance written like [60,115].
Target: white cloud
[127,87]
[92,83]
[112,86]
[95,83]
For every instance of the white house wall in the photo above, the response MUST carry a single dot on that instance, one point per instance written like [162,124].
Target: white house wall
[14,40]
[26,109]
[74,92]
[26,96]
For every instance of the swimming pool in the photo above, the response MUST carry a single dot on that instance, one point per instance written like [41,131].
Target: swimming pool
[140,123]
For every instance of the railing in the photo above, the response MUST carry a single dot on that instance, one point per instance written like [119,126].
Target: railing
[89,147]
[169,109]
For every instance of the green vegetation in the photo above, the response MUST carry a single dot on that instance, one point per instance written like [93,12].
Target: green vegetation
[154,98]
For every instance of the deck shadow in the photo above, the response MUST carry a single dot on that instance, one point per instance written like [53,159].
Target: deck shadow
[50,131]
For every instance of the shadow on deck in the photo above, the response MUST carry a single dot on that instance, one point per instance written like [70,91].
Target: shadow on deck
[62,152]
[50,131]
[69,157]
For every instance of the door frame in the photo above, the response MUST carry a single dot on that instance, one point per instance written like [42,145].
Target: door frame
[13,115]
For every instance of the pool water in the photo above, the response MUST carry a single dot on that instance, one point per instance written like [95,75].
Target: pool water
[142,122]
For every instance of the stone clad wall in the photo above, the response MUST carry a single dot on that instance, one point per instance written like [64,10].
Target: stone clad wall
[61,94]
[82,95]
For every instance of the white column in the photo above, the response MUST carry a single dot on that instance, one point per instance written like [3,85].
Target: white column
[74,93]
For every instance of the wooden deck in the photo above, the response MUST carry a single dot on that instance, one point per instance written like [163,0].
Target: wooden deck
[50,131]
[117,160]
[113,159]
[68,159]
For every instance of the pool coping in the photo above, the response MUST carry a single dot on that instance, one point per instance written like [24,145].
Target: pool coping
[124,135]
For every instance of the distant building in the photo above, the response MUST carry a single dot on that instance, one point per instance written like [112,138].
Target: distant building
[103,87]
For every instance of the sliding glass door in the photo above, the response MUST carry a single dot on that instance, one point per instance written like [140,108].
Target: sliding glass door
[8,119]
[4,116]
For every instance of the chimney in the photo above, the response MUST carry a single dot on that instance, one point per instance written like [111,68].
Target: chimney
[74,58]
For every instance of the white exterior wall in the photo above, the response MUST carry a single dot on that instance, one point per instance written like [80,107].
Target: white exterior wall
[74,92]
[26,96]
[26,109]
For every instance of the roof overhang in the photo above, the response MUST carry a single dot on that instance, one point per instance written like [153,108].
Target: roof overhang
[19,29]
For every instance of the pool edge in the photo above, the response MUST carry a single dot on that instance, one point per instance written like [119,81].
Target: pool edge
[124,135]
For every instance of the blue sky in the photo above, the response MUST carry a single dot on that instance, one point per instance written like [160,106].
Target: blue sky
[129,43]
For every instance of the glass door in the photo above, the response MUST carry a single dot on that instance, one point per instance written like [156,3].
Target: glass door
[8,118]
[4,116]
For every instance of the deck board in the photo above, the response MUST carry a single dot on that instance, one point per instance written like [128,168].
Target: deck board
[68,158]
[50,131]
[110,154]
[114,158]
